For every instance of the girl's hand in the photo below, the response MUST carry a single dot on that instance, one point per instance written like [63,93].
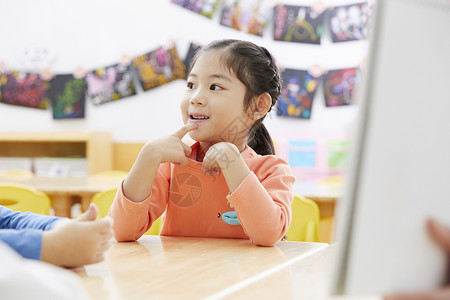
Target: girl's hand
[138,184]
[171,148]
[219,157]
[226,158]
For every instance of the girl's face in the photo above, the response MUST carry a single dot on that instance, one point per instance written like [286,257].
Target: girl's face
[214,100]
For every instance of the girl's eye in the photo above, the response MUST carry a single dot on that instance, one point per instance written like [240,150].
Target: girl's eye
[215,87]
[190,85]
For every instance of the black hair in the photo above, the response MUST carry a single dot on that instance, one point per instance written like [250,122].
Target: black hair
[256,68]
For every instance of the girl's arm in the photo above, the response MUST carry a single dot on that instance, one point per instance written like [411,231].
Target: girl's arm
[263,204]
[138,184]
[132,209]
[263,200]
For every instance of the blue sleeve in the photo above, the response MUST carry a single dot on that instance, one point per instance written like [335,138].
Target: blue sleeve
[10,219]
[26,242]
[23,231]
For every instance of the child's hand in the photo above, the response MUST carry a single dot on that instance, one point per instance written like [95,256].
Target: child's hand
[225,157]
[78,242]
[138,184]
[219,157]
[171,148]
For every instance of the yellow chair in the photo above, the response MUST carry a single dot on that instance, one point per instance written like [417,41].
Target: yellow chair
[104,175]
[305,221]
[23,198]
[17,174]
[104,199]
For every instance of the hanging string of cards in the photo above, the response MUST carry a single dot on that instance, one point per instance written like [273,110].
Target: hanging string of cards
[66,93]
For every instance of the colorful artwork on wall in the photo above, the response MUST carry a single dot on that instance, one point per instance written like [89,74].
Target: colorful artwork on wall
[68,96]
[23,89]
[159,67]
[350,22]
[297,94]
[249,16]
[110,83]
[298,24]
[339,86]
[205,8]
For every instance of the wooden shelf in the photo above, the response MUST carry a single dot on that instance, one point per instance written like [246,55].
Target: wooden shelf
[95,146]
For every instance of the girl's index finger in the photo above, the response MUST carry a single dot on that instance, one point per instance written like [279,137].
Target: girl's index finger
[184,130]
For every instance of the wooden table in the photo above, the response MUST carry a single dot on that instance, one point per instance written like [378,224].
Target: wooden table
[308,278]
[203,268]
[326,195]
[63,190]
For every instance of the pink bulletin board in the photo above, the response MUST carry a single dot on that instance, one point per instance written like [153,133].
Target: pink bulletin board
[313,156]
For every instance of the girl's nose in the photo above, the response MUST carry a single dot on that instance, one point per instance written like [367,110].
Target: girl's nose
[197,99]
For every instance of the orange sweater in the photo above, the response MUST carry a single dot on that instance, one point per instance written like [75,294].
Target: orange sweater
[200,205]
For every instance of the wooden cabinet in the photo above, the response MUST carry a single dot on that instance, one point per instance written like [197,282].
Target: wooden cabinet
[96,147]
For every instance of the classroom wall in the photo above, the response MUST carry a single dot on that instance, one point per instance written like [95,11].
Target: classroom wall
[94,33]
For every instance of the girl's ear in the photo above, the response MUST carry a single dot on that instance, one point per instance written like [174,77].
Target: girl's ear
[261,106]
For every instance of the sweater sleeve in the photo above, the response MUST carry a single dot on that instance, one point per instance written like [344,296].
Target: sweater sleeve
[263,202]
[23,231]
[26,242]
[133,219]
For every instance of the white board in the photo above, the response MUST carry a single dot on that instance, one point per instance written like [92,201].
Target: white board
[399,173]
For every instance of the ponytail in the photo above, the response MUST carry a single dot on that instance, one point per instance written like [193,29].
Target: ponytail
[260,140]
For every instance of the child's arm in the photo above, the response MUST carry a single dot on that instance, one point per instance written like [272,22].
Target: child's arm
[138,183]
[262,199]
[10,219]
[78,242]
[132,210]
[26,242]
[55,240]
[23,231]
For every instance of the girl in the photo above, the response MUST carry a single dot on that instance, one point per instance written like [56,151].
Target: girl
[229,184]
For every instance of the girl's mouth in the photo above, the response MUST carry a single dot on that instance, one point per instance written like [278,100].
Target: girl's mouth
[198,117]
